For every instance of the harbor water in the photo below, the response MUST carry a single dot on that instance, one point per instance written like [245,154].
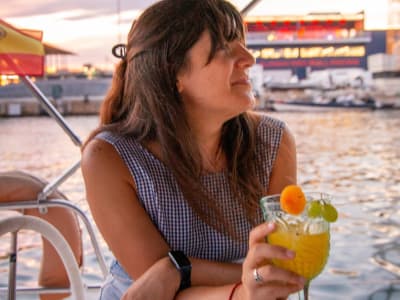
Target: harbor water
[353,155]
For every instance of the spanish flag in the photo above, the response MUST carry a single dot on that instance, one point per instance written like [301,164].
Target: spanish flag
[20,53]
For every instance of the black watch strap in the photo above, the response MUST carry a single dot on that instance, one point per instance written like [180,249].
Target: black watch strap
[183,265]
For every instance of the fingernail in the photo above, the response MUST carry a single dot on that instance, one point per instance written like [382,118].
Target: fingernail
[290,253]
[270,226]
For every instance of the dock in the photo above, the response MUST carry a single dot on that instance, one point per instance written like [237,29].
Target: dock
[20,107]
[71,96]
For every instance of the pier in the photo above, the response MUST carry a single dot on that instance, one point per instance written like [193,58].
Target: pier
[71,96]
[19,107]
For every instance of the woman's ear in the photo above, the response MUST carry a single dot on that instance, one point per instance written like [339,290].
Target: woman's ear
[179,85]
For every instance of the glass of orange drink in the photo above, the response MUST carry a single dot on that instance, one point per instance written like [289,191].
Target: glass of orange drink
[303,227]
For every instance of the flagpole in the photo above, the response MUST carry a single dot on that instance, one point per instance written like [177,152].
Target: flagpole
[51,110]
[248,7]
[119,20]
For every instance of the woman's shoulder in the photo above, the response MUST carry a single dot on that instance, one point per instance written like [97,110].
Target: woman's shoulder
[109,136]
[96,151]
[121,143]
[270,130]
[263,120]
[101,162]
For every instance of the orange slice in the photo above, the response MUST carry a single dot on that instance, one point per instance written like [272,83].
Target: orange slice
[293,200]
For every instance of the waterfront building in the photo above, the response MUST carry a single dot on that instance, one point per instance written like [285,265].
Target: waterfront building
[300,44]
[303,43]
[329,50]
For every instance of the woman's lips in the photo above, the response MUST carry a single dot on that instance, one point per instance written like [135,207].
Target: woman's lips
[241,81]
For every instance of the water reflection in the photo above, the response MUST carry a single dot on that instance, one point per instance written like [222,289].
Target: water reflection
[390,293]
[354,155]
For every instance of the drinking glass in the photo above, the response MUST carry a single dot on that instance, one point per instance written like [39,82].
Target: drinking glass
[307,236]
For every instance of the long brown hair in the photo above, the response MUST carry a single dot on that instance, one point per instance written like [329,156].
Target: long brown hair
[144,102]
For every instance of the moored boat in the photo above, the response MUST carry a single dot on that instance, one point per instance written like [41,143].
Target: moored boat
[308,106]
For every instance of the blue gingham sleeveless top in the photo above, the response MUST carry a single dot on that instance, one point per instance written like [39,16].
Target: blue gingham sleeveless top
[162,198]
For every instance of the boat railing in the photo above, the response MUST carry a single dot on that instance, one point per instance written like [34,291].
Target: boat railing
[42,204]
[54,237]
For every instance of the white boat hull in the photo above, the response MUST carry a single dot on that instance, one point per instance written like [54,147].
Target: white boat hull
[287,107]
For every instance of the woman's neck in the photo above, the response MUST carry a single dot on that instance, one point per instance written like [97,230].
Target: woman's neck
[208,139]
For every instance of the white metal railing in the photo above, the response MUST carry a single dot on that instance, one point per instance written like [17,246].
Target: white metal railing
[42,204]
[48,231]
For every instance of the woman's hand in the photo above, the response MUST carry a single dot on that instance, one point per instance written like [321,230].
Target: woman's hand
[272,282]
[160,281]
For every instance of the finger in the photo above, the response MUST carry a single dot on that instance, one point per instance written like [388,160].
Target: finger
[259,233]
[272,274]
[262,253]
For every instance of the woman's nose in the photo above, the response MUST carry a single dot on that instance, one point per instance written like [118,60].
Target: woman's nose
[245,58]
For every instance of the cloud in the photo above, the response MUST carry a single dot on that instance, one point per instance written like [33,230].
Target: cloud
[87,15]
[28,8]
[90,36]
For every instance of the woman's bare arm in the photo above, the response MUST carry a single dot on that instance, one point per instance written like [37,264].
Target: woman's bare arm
[120,217]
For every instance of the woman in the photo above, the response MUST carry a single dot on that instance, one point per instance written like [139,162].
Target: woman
[179,162]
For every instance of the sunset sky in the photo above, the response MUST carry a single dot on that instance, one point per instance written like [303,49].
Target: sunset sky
[91,27]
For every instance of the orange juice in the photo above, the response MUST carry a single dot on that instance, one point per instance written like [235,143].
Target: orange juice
[311,250]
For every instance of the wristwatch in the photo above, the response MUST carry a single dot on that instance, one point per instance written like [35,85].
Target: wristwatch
[183,265]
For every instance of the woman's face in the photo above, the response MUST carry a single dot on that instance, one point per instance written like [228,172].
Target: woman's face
[220,88]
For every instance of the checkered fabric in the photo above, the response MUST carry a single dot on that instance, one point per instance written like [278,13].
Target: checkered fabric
[162,198]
